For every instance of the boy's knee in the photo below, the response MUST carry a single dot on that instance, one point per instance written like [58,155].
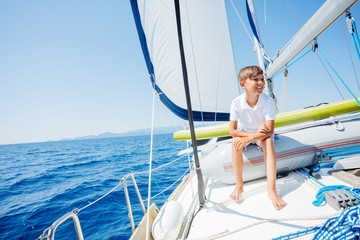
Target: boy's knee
[234,148]
[266,141]
[237,150]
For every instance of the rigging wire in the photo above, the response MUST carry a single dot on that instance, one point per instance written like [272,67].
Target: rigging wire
[282,49]
[150,164]
[242,22]
[330,76]
[293,12]
[336,73]
[265,11]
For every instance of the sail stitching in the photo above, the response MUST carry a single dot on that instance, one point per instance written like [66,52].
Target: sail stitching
[196,74]
[218,76]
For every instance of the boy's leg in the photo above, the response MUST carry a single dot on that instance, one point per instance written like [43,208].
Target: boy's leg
[270,165]
[237,162]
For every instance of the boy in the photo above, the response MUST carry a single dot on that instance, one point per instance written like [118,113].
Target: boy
[252,119]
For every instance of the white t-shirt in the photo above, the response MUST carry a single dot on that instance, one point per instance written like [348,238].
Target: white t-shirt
[250,119]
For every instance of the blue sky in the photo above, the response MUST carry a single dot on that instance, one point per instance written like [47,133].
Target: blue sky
[75,68]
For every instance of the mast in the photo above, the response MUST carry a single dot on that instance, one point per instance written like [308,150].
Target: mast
[257,42]
[201,187]
[259,47]
[329,12]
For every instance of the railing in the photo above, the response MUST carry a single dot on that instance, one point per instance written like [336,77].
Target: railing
[123,181]
[49,233]
[51,230]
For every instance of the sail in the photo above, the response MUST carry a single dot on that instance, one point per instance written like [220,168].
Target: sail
[208,54]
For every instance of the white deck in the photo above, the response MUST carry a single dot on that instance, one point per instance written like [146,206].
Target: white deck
[253,216]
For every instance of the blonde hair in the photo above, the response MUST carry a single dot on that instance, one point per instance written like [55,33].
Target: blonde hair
[249,72]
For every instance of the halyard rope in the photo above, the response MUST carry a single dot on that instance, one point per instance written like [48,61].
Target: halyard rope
[353,31]
[350,55]
[292,63]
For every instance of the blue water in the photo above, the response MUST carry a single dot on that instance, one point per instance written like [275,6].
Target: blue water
[40,182]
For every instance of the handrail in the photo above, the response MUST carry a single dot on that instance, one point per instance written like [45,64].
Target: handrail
[123,181]
[138,193]
[51,230]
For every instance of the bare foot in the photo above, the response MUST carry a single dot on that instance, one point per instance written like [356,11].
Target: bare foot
[276,200]
[235,195]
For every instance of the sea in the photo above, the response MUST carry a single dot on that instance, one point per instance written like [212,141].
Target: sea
[41,182]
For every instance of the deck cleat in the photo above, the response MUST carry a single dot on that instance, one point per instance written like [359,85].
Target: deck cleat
[340,198]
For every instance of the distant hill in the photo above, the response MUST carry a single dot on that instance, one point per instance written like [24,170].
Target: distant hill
[141,132]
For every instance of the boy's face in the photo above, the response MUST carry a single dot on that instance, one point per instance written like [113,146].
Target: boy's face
[254,85]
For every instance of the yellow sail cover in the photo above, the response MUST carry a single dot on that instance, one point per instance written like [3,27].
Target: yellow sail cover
[282,119]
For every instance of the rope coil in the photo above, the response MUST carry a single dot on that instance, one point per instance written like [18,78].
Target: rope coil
[346,226]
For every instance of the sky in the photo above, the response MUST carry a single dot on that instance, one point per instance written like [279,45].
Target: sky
[75,68]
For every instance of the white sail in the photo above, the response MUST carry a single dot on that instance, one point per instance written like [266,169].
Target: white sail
[208,52]
[322,19]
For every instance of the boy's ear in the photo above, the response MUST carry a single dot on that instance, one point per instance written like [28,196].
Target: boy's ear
[242,84]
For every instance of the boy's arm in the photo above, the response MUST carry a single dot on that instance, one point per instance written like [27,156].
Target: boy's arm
[263,132]
[234,132]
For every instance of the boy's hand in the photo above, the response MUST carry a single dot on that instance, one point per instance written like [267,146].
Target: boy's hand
[241,142]
[263,129]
